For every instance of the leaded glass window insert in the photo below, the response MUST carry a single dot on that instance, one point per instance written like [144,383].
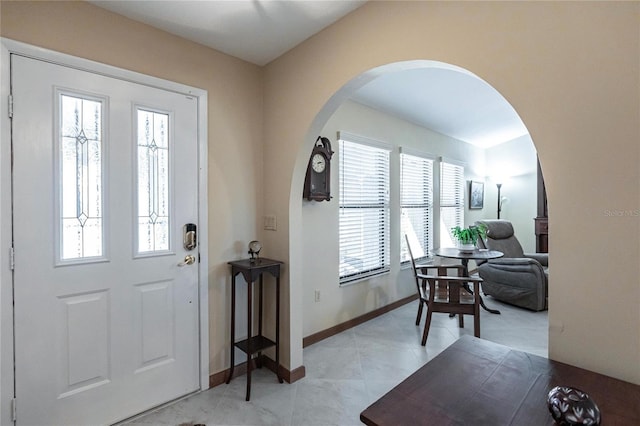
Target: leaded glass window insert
[154,203]
[81,163]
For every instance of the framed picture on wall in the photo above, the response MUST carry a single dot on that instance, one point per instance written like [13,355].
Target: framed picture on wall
[476,195]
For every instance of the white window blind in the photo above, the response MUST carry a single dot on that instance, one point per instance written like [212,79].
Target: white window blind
[416,202]
[364,210]
[451,200]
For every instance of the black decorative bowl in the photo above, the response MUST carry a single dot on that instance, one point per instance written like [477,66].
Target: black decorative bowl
[571,406]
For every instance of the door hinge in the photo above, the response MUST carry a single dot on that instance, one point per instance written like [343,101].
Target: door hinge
[14,413]
[12,258]
[10,106]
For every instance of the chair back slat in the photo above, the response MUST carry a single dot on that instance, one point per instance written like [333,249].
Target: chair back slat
[454,292]
[413,266]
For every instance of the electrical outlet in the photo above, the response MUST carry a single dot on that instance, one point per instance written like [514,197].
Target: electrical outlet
[317,295]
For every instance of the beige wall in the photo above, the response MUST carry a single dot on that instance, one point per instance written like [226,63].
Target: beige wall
[539,56]
[570,70]
[234,123]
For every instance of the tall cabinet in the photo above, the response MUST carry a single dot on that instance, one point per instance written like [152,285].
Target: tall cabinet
[542,218]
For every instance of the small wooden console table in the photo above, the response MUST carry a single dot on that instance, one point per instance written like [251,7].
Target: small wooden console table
[251,270]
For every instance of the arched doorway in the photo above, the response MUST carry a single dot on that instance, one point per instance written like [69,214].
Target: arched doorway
[325,302]
[562,97]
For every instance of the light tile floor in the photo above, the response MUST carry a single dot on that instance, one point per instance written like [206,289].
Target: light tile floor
[349,371]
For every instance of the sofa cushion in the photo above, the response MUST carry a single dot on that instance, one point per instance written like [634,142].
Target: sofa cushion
[499,229]
[500,237]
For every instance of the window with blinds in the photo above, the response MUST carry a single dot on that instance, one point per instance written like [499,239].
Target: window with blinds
[416,205]
[364,208]
[451,200]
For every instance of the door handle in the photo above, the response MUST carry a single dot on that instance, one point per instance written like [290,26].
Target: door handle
[188,260]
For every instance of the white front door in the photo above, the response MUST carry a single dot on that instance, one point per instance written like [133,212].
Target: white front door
[105,177]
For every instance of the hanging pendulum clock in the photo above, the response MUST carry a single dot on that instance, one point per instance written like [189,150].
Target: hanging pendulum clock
[318,178]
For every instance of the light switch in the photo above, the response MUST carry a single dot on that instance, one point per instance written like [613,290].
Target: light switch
[270,222]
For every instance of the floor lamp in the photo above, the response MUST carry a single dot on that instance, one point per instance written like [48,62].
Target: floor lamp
[499,185]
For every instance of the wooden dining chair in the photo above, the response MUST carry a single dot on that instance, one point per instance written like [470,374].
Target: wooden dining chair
[446,294]
[429,269]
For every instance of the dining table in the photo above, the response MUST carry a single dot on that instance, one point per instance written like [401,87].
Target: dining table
[478,382]
[465,257]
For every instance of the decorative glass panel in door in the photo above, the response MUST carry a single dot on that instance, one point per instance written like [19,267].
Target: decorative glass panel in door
[154,204]
[80,164]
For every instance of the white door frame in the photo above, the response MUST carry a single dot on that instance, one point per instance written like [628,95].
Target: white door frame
[6,277]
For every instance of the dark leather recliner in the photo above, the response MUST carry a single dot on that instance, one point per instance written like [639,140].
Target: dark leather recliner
[517,278]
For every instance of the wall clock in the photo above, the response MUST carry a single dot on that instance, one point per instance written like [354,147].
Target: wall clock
[318,179]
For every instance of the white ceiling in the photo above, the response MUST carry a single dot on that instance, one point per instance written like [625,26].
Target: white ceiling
[453,103]
[257,31]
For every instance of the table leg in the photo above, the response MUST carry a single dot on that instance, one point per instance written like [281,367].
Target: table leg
[493,311]
[233,327]
[278,328]
[249,349]
[465,265]
[259,355]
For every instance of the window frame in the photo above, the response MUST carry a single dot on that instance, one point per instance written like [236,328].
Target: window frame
[456,194]
[373,203]
[424,242]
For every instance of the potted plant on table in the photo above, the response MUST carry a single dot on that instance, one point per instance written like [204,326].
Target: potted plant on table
[467,238]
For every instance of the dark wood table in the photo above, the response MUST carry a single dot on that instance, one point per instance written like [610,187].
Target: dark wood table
[252,270]
[477,382]
[465,257]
